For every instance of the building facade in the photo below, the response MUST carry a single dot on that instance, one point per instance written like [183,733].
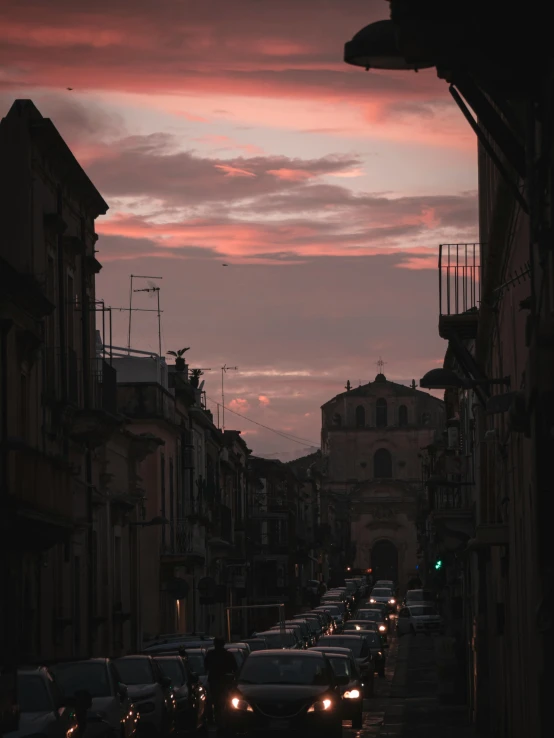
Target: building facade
[372,438]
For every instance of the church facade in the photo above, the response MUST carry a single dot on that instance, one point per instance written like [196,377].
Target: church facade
[372,439]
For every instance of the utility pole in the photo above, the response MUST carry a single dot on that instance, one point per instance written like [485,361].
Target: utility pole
[131,290]
[224,370]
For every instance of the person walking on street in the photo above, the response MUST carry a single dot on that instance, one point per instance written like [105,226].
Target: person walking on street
[221,668]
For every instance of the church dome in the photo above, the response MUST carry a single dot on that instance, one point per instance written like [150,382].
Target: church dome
[380,378]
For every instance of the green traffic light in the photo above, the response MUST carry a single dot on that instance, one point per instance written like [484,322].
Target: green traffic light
[438,565]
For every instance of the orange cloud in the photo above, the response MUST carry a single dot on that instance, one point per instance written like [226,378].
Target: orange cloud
[239,405]
[291,175]
[264,400]
[231,171]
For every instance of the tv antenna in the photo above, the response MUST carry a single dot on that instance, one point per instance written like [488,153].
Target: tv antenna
[152,288]
[224,370]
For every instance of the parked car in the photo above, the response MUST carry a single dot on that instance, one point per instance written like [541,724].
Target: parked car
[314,622]
[42,707]
[175,646]
[360,650]
[190,697]
[195,659]
[302,629]
[150,691]
[256,644]
[110,698]
[335,612]
[350,684]
[284,691]
[277,639]
[419,619]
[418,597]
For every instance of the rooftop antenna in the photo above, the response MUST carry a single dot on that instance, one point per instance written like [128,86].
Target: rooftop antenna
[224,370]
[151,288]
[131,290]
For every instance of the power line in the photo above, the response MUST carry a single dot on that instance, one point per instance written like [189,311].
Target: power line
[295,439]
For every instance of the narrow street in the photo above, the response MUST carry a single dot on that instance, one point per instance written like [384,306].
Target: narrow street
[406,702]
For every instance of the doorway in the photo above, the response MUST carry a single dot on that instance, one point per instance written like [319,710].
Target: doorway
[384,561]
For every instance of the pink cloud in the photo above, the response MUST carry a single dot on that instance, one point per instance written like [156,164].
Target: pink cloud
[231,171]
[291,175]
[239,405]
[264,400]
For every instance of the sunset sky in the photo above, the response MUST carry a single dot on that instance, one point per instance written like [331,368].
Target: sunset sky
[231,131]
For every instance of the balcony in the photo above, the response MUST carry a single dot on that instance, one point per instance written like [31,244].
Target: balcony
[90,384]
[146,402]
[459,290]
[40,488]
[183,544]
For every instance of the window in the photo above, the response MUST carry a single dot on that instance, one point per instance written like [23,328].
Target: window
[402,415]
[382,464]
[381,412]
[337,420]
[360,417]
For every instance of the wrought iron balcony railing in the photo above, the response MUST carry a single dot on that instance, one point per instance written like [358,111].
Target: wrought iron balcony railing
[459,288]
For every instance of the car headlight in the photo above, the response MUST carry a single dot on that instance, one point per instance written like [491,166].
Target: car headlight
[358,627]
[392,602]
[382,628]
[241,705]
[353,694]
[321,706]
[372,601]
[379,653]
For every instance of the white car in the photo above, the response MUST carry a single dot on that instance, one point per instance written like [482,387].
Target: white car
[419,619]
[149,689]
[419,597]
[110,699]
[384,595]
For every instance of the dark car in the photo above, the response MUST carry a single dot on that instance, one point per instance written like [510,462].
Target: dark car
[359,647]
[256,644]
[190,697]
[42,709]
[350,683]
[195,658]
[111,710]
[377,613]
[150,692]
[277,639]
[286,691]
[377,649]
[379,625]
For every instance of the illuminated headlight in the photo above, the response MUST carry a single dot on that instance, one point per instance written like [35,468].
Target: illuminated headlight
[372,601]
[241,705]
[379,653]
[382,628]
[392,602]
[353,694]
[321,706]
[358,627]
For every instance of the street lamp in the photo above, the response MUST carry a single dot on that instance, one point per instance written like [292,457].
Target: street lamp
[375,47]
[447,379]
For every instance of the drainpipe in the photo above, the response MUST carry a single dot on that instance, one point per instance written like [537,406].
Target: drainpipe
[85,351]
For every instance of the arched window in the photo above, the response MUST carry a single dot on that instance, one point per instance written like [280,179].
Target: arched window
[381,412]
[337,420]
[360,417]
[382,464]
[402,415]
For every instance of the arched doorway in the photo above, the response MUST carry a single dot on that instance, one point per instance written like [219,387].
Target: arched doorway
[384,561]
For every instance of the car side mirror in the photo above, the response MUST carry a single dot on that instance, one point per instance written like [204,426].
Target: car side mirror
[122,690]
[165,682]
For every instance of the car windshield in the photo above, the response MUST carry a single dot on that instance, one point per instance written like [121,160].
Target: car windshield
[420,610]
[92,677]
[276,640]
[172,668]
[257,645]
[381,593]
[277,669]
[355,645]
[340,666]
[33,694]
[369,615]
[135,671]
[418,595]
[196,663]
